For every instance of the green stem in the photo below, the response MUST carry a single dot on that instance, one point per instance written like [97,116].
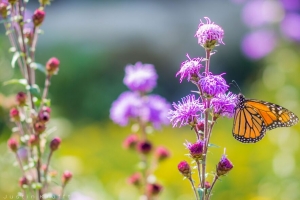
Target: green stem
[194,189]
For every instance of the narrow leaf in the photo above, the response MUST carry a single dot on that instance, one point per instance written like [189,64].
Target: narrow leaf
[213,145]
[15,58]
[34,90]
[200,193]
[16,81]
[39,67]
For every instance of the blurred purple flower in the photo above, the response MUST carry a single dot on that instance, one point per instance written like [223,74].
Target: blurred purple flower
[213,85]
[190,69]
[290,26]
[208,33]
[185,111]
[140,77]
[155,110]
[291,4]
[79,196]
[125,107]
[258,44]
[257,13]
[224,104]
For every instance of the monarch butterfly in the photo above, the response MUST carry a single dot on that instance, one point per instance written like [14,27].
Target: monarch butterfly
[252,118]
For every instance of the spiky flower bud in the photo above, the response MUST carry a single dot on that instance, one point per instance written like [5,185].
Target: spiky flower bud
[14,114]
[13,144]
[39,127]
[55,143]
[66,177]
[144,147]
[185,169]
[38,17]
[224,166]
[161,153]
[52,66]
[21,98]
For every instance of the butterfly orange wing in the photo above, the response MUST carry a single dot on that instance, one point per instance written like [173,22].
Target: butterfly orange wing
[253,117]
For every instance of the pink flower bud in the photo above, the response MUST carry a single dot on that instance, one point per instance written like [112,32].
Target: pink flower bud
[153,189]
[162,153]
[66,177]
[46,109]
[3,9]
[38,17]
[44,116]
[21,98]
[135,179]
[39,127]
[13,144]
[55,143]
[14,114]
[144,147]
[23,181]
[131,141]
[52,66]
[185,169]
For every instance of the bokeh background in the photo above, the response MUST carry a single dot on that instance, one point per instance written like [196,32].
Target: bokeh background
[95,40]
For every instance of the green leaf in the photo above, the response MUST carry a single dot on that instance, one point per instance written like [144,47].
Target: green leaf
[15,58]
[16,81]
[213,145]
[34,90]
[200,193]
[39,67]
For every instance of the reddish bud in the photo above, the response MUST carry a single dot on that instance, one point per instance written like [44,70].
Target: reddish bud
[200,126]
[21,98]
[46,109]
[144,147]
[162,153]
[39,127]
[52,66]
[23,181]
[207,185]
[153,189]
[34,140]
[185,169]
[38,17]
[135,179]
[3,9]
[14,114]
[44,116]
[13,144]
[55,143]
[66,177]
[131,141]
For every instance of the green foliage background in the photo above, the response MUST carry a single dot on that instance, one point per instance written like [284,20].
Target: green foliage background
[90,78]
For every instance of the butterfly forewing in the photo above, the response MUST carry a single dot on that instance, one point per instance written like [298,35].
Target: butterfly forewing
[253,117]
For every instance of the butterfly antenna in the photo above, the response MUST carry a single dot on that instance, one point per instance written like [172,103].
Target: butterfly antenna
[236,85]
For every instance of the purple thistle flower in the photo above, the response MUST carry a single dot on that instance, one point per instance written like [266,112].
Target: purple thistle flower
[185,111]
[224,104]
[190,69]
[155,110]
[213,85]
[125,107]
[196,149]
[140,77]
[209,34]
[224,166]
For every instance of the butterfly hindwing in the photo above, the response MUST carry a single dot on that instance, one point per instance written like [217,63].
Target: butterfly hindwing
[253,117]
